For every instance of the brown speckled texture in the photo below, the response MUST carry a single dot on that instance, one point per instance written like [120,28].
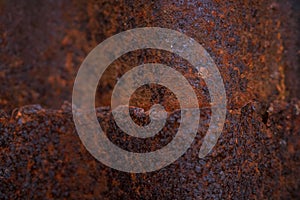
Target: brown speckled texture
[256,157]
[43,45]
[253,43]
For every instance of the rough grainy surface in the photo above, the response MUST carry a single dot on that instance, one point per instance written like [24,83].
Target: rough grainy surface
[257,157]
[43,44]
[253,43]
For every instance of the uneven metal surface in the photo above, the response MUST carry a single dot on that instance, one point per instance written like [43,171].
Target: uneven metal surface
[256,157]
[42,45]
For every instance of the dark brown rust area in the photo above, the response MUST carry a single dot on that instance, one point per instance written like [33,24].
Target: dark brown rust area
[255,46]
[42,157]
[44,43]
